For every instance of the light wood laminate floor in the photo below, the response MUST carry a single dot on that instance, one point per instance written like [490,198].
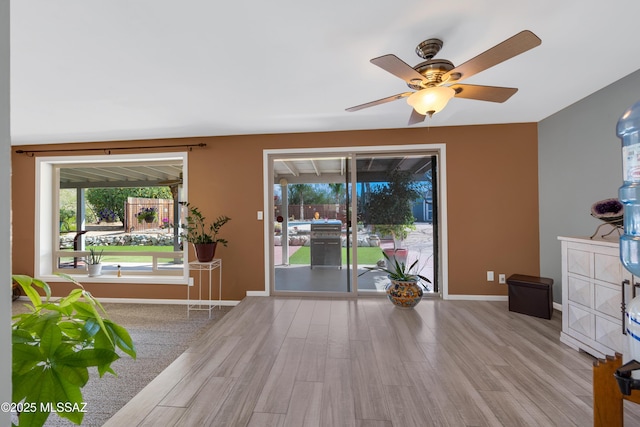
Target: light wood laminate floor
[345,362]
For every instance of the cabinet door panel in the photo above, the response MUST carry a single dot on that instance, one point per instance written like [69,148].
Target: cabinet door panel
[579,262]
[579,291]
[608,300]
[609,333]
[580,321]
[607,268]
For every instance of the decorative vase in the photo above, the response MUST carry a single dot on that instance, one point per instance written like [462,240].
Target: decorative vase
[404,294]
[205,251]
[95,269]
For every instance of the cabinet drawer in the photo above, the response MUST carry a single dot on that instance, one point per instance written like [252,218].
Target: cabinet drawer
[580,321]
[579,291]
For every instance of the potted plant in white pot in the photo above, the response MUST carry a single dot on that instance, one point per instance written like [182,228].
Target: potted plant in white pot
[406,285]
[94,262]
[203,236]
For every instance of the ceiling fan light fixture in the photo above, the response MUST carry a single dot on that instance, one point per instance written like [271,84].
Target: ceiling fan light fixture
[431,100]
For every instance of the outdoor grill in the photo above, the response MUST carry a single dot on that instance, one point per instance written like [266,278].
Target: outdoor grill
[326,244]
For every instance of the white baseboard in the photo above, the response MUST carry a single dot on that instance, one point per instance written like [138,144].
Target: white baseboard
[167,301]
[257,293]
[231,303]
[556,305]
[478,297]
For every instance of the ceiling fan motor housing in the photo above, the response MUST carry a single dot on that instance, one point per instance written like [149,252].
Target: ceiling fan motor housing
[429,48]
[432,70]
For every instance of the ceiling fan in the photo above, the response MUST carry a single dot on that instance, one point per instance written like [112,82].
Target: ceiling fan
[436,81]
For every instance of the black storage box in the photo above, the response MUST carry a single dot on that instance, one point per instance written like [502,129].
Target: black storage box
[531,295]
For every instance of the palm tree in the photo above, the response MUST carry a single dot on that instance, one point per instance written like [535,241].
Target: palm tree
[296,195]
[337,190]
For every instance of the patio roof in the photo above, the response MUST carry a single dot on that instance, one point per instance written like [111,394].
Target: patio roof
[126,174]
[369,169]
[294,170]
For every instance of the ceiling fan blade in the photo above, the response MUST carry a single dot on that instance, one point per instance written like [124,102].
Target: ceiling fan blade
[397,67]
[513,46]
[416,117]
[379,101]
[484,93]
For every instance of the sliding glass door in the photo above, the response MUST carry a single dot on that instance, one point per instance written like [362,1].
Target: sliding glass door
[311,250]
[318,247]
[395,202]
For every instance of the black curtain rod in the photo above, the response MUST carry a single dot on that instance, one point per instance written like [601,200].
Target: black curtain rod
[31,153]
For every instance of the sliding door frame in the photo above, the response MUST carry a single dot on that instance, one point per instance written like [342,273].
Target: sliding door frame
[439,150]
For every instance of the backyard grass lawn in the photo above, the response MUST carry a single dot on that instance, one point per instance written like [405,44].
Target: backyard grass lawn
[142,258]
[366,255]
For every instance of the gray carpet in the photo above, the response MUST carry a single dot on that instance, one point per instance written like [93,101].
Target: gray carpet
[160,333]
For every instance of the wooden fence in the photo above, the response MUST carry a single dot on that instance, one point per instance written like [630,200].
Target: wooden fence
[328,211]
[133,206]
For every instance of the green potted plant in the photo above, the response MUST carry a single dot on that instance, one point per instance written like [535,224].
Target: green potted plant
[94,262]
[388,210]
[53,346]
[406,284]
[203,236]
[147,215]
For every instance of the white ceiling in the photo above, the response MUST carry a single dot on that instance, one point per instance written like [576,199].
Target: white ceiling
[121,69]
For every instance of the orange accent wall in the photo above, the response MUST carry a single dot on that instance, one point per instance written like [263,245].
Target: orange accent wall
[492,202]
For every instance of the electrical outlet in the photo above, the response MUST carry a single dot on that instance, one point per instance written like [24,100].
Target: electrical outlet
[490,276]
[502,278]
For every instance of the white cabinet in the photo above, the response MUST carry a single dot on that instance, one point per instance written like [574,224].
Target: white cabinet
[592,283]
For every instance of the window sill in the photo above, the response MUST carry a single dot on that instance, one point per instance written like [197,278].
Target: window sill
[126,279]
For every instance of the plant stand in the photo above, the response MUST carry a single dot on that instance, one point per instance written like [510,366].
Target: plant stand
[207,304]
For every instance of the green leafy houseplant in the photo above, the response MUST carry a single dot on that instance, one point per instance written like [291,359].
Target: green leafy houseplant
[197,231]
[54,345]
[146,214]
[398,271]
[95,257]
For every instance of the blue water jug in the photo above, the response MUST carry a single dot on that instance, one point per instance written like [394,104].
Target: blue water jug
[628,130]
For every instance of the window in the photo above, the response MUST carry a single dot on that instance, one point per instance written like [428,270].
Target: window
[143,248]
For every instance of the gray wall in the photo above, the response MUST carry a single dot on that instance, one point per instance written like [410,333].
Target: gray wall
[5,214]
[580,162]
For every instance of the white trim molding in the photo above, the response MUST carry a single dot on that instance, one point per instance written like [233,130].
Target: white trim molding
[46,206]
[478,297]
[257,293]
[439,149]
[213,303]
